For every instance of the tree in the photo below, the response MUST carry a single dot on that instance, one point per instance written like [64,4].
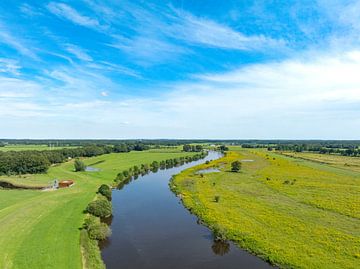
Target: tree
[186,148]
[100,208]
[223,148]
[79,165]
[235,166]
[105,191]
[120,177]
[96,229]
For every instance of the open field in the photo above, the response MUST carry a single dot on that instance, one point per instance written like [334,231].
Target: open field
[30,147]
[291,212]
[348,163]
[40,229]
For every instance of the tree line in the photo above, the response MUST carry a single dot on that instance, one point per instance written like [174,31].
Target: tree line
[32,162]
[134,172]
[340,149]
[192,148]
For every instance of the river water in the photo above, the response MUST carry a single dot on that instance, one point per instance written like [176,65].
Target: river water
[152,229]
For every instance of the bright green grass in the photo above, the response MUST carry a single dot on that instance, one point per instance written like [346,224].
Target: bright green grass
[40,229]
[313,223]
[30,147]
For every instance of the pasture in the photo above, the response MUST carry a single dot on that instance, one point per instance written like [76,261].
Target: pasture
[11,147]
[40,229]
[291,212]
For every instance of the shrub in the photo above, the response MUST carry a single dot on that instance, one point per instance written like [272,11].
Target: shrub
[100,208]
[99,231]
[79,166]
[235,166]
[120,177]
[96,229]
[105,190]
[126,173]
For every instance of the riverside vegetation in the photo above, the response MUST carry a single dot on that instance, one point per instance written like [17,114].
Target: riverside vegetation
[291,212]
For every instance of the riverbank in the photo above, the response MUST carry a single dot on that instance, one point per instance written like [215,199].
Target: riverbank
[289,212]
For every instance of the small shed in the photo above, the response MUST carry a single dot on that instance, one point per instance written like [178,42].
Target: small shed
[66,183]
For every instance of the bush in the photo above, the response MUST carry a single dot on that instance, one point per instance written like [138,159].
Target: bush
[235,166]
[105,190]
[79,166]
[100,208]
[99,231]
[119,177]
[96,229]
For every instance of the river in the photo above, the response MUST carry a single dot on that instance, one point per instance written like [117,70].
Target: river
[152,229]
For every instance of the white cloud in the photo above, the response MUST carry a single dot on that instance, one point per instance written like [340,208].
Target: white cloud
[209,33]
[166,33]
[78,52]
[148,50]
[29,10]
[104,93]
[65,11]
[290,99]
[18,88]
[16,43]
[9,66]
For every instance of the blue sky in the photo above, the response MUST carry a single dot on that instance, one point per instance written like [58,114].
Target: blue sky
[180,69]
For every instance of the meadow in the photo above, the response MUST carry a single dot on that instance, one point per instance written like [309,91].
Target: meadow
[292,212]
[41,229]
[345,162]
[11,147]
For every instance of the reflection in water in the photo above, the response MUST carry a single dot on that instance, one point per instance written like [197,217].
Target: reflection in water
[220,247]
[107,220]
[106,242]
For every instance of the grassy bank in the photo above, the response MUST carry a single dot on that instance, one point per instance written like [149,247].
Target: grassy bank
[291,212]
[40,229]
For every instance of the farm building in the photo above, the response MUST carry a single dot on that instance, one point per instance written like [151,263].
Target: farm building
[65,183]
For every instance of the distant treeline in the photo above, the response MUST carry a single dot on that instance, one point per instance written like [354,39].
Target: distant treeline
[341,149]
[177,142]
[345,149]
[31,162]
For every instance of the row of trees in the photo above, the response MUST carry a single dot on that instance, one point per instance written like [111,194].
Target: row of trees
[192,148]
[344,150]
[125,176]
[97,209]
[31,162]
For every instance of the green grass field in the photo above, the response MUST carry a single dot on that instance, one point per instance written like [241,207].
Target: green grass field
[292,212]
[40,229]
[29,147]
